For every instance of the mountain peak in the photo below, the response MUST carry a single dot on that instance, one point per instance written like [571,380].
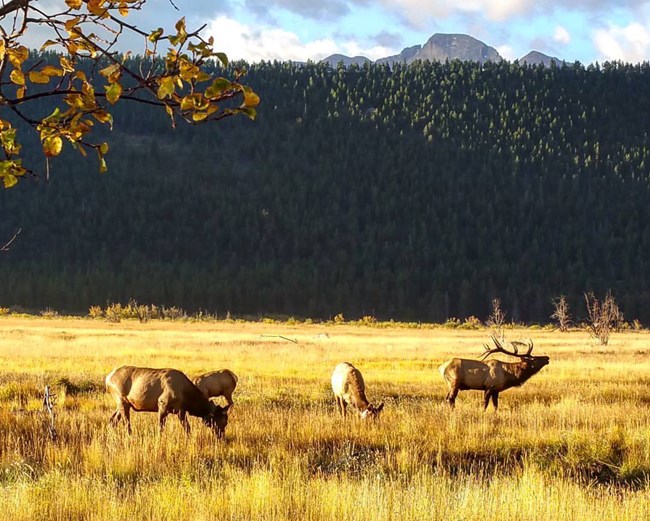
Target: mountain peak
[441,47]
[539,58]
[334,59]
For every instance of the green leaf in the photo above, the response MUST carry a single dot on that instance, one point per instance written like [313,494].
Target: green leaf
[250,112]
[222,58]
[218,86]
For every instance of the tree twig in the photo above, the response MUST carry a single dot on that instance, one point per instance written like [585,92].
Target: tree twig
[282,337]
[49,400]
[6,246]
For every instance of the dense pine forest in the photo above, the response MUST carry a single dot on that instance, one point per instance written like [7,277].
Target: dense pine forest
[413,193]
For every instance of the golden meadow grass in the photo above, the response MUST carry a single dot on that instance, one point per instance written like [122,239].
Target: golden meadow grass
[572,443]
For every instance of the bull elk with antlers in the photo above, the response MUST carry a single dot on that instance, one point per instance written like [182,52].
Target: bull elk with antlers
[491,376]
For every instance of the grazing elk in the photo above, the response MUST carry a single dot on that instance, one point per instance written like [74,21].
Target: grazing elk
[217,383]
[492,376]
[349,388]
[163,391]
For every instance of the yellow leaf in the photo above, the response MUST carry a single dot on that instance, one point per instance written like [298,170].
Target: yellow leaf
[38,77]
[18,55]
[124,11]
[113,93]
[66,64]
[9,180]
[110,70]
[20,92]
[103,116]
[166,87]
[17,77]
[154,36]
[251,99]
[48,43]
[199,116]
[71,24]
[180,25]
[187,103]
[97,8]
[50,70]
[52,146]
[102,165]
[74,4]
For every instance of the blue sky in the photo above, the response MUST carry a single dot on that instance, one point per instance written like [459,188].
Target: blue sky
[583,30]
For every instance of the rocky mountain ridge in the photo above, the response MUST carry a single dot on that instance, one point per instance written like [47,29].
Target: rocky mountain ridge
[441,47]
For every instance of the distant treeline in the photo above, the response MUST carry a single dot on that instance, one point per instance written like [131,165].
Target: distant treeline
[417,193]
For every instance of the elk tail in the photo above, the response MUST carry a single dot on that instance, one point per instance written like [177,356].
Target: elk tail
[443,367]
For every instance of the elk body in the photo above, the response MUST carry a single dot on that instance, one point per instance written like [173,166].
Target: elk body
[349,388]
[165,391]
[492,376]
[217,383]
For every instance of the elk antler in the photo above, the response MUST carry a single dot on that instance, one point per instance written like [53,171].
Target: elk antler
[516,345]
[500,349]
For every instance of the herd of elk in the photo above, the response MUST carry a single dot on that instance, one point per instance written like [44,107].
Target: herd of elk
[169,391]
[165,391]
[492,376]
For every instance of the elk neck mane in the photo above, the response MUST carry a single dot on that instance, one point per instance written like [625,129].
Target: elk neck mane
[519,371]
[197,404]
[357,393]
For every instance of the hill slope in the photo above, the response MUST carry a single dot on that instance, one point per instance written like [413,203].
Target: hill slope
[419,193]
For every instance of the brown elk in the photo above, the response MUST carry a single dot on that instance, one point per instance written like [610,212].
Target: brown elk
[349,388]
[163,391]
[217,383]
[492,376]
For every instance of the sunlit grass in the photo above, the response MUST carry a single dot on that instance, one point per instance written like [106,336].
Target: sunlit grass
[572,443]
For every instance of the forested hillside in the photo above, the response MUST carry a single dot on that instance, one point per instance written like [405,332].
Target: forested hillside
[417,193]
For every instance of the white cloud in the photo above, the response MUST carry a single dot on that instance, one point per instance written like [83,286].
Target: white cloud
[240,41]
[630,43]
[507,52]
[561,35]
[421,13]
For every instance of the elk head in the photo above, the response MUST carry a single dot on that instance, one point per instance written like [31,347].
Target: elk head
[217,419]
[534,362]
[372,412]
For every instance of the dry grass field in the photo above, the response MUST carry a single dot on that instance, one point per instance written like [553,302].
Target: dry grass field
[573,443]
